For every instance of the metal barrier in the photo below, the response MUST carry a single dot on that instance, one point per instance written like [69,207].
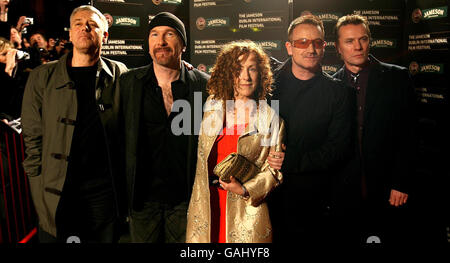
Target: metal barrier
[17,216]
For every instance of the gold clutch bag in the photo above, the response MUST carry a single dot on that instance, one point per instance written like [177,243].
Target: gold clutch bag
[237,166]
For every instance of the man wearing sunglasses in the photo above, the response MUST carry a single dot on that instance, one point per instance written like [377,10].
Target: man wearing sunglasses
[317,112]
[377,177]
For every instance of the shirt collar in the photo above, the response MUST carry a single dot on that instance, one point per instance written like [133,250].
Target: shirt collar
[181,78]
[365,69]
[101,65]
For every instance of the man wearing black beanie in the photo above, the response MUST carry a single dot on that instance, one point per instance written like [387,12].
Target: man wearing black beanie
[160,160]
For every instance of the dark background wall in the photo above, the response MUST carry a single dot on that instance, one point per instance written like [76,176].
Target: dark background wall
[49,16]
[422,45]
[128,32]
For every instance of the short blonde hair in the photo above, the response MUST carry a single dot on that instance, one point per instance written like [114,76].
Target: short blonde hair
[5,44]
[94,10]
[350,20]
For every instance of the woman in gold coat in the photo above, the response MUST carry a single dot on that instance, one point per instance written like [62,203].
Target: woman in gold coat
[233,212]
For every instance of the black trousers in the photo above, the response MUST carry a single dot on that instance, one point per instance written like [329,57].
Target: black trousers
[158,222]
[88,215]
[301,211]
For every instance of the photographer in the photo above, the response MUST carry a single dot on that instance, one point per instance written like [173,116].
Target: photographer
[39,48]
[13,78]
[56,47]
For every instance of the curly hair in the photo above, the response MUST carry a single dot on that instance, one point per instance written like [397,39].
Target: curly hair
[228,67]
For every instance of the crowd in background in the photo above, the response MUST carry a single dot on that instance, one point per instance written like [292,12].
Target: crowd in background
[23,46]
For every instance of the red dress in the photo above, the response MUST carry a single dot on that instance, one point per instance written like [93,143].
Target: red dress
[223,146]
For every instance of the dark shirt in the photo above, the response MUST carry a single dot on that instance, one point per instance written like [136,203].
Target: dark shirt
[162,159]
[359,81]
[388,142]
[318,120]
[88,161]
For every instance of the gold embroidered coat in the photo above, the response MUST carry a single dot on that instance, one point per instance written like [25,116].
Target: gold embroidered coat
[247,219]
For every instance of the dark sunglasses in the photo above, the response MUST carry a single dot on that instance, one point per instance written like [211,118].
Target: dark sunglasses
[304,43]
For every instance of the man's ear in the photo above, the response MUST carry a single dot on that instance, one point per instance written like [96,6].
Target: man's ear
[336,46]
[288,46]
[105,37]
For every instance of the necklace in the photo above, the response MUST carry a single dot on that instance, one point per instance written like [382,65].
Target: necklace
[354,77]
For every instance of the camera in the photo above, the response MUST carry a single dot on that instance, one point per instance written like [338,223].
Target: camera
[29,20]
[22,55]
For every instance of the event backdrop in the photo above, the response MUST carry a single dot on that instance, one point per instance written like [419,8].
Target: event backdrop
[385,18]
[427,33]
[411,33]
[128,22]
[217,22]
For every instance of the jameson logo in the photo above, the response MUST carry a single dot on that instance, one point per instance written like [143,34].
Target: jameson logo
[432,68]
[177,2]
[112,1]
[158,2]
[217,22]
[330,68]
[328,17]
[384,43]
[415,68]
[205,68]
[433,13]
[126,21]
[269,44]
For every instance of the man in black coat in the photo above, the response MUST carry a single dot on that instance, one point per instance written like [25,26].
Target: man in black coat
[162,111]
[378,177]
[317,112]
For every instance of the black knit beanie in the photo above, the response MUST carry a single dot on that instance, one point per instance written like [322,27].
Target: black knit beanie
[168,19]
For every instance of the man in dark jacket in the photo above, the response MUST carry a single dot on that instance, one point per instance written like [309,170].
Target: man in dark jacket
[160,152]
[69,117]
[377,178]
[317,112]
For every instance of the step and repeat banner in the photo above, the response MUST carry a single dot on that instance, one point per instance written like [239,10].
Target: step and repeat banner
[411,33]
[217,22]
[427,36]
[427,33]
[385,19]
[128,22]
